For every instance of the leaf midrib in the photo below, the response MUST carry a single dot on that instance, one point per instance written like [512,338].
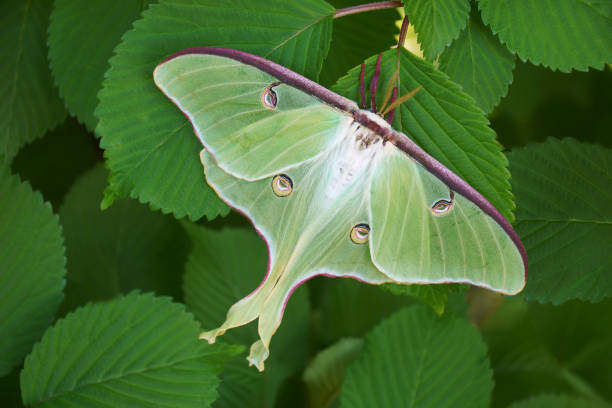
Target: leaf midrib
[116,377]
[595,10]
[420,365]
[16,74]
[298,32]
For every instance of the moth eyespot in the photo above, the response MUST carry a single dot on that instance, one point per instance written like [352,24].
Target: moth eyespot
[441,207]
[269,99]
[282,185]
[360,233]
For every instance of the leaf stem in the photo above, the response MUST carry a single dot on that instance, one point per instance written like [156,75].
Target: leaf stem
[381,5]
[582,387]
[403,31]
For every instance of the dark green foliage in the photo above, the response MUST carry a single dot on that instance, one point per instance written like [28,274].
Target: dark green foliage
[31,105]
[437,22]
[435,296]
[417,359]
[550,349]
[115,251]
[355,38]
[32,268]
[557,401]
[562,189]
[325,373]
[215,278]
[94,356]
[479,63]
[138,285]
[51,164]
[144,135]
[579,30]
[85,32]
[542,104]
[9,390]
[347,308]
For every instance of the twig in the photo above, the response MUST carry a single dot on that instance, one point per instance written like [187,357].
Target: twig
[381,5]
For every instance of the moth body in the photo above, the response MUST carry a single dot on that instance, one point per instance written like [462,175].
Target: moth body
[350,160]
[332,188]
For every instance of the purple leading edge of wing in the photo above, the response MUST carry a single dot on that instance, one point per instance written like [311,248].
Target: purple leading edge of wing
[285,75]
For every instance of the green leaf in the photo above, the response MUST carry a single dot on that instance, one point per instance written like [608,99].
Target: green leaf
[134,351]
[564,220]
[68,149]
[349,308]
[559,34]
[150,146]
[123,248]
[31,105]
[434,296]
[444,121]
[32,268]
[357,36]
[437,22]
[479,63]
[536,348]
[414,359]
[84,34]
[556,401]
[325,373]
[215,278]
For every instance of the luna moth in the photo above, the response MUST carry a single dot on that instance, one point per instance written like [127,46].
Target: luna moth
[332,188]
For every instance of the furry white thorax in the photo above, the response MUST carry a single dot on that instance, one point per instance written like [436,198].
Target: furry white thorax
[350,159]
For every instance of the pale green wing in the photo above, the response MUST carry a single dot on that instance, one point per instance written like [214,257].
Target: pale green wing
[252,125]
[308,170]
[307,232]
[417,238]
